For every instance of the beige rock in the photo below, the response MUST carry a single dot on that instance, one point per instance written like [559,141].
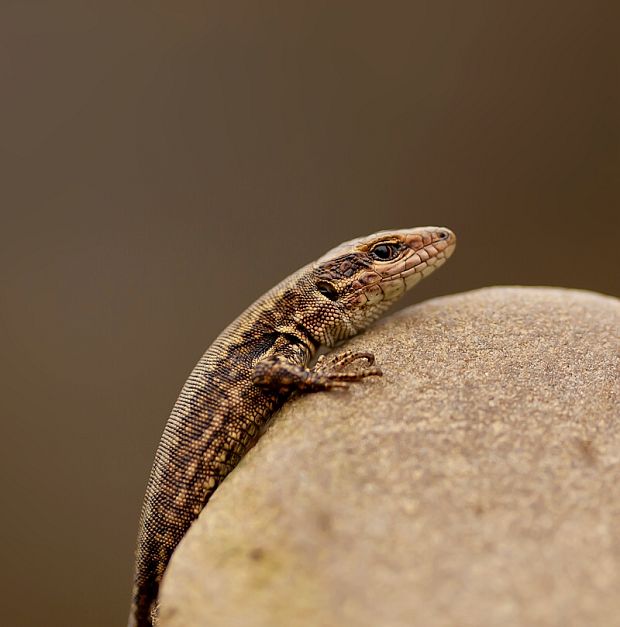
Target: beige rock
[476,484]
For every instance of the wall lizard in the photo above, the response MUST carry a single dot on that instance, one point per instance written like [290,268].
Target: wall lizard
[255,365]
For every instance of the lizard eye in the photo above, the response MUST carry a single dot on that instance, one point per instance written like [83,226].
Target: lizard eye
[385,252]
[327,289]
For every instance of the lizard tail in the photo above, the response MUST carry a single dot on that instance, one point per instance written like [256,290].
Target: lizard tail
[143,607]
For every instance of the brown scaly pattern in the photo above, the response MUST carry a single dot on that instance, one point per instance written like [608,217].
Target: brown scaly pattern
[254,366]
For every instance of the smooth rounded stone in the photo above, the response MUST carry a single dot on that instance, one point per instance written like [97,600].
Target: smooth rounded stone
[476,483]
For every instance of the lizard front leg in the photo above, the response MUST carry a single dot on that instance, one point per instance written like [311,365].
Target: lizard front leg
[281,373]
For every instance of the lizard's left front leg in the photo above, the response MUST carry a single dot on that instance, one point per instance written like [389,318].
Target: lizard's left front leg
[284,372]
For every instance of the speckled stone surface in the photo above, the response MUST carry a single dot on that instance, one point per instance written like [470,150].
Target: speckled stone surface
[476,484]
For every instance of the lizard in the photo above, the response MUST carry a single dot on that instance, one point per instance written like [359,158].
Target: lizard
[255,365]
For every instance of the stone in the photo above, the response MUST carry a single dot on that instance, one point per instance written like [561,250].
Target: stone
[476,483]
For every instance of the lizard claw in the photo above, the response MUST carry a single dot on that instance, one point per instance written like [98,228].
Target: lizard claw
[330,369]
[334,363]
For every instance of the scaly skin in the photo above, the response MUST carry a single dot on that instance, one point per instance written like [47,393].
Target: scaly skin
[255,365]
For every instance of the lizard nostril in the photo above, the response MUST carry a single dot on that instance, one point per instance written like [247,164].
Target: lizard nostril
[442,235]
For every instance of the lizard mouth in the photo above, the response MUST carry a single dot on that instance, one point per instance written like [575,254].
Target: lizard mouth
[418,265]
[423,261]
[407,273]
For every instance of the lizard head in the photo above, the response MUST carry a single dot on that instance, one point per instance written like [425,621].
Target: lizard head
[363,277]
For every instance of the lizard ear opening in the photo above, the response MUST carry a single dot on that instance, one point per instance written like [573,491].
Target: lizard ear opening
[327,289]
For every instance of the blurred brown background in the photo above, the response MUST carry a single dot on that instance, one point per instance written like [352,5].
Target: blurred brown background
[163,163]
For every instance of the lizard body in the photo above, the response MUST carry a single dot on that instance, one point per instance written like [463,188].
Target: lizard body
[255,365]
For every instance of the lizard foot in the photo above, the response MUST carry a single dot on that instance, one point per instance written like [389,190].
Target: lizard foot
[330,369]
[282,375]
